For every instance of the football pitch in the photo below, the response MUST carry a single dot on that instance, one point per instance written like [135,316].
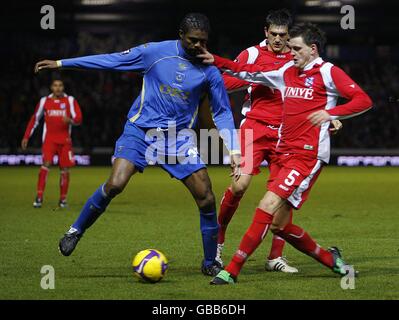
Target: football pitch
[355,209]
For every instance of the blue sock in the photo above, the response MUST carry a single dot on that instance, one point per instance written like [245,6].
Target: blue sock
[93,208]
[209,230]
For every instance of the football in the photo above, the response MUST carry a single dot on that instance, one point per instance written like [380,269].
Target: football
[150,265]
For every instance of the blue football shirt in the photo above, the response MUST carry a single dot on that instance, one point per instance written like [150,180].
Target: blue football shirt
[173,84]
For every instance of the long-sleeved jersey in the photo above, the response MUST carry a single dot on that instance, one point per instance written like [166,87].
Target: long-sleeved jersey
[54,110]
[173,84]
[262,103]
[314,88]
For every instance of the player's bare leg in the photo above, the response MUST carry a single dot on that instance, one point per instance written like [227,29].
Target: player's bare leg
[64,184]
[228,206]
[122,170]
[200,187]
[273,213]
[41,184]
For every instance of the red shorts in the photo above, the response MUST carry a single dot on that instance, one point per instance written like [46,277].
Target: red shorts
[292,177]
[64,151]
[258,143]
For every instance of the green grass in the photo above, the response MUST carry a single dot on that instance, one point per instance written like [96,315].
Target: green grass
[353,208]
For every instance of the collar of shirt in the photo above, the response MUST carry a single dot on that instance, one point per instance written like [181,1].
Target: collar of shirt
[263,43]
[51,95]
[263,46]
[310,65]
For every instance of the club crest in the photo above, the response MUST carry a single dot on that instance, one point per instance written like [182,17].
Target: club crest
[309,81]
[180,76]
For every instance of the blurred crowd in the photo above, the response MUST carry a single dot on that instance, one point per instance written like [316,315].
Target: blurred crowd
[105,97]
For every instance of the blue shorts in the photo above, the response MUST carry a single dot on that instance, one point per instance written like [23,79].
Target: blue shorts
[175,153]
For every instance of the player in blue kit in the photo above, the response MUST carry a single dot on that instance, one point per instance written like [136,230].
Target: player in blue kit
[174,80]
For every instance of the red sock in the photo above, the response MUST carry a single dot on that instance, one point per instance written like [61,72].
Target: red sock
[278,245]
[41,182]
[228,207]
[301,240]
[251,240]
[64,183]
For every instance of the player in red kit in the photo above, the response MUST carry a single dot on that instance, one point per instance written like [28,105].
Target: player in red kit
[61,112]
[310,88]
[263,110]
[263,114]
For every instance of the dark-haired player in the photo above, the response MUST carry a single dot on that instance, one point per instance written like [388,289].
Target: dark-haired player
[60,112]
[310,88]
[173,82]
[263,110]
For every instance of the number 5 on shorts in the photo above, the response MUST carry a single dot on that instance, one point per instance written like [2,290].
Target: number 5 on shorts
[289,181]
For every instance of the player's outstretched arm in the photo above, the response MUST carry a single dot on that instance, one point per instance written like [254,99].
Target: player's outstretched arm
[129,60]
[270,76]
[46,64]
[232,83]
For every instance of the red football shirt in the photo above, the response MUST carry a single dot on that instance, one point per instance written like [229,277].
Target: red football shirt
[54,110]
[262,103]
[314,88]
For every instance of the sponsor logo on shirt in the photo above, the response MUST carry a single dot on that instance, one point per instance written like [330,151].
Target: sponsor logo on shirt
[56,113]
[308,147]
[301,93]
[174,92]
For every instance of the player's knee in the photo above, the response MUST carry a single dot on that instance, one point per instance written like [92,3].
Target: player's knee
[113,190]
[270,204]
[46,164]
[275,228]
[238,188]
[267,205]
[206,201]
